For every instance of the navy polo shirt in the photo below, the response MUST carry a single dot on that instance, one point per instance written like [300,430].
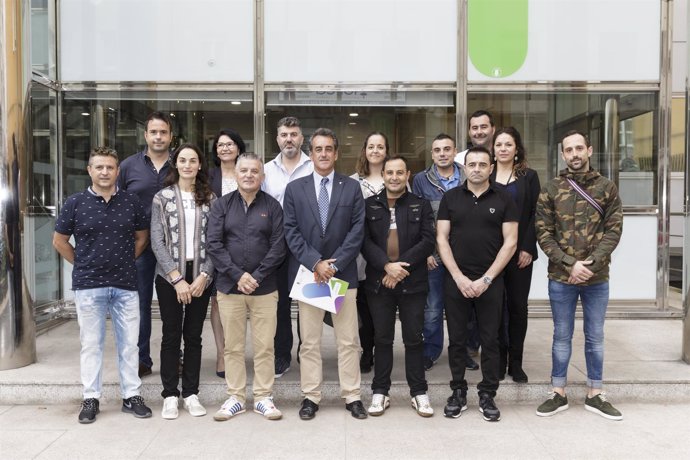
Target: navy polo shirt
[104,235]
[139,176]
[476,226]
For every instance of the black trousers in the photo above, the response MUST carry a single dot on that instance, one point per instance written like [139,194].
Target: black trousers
[383,306]
[366,323]
[283,338]
[181,321]
[517,282]
[488,308]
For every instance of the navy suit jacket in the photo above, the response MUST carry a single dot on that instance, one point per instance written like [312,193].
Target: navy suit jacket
[344,233]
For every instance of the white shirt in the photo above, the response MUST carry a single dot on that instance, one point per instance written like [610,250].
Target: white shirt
[277,176]
[329,185]
[189,220]
[460,158]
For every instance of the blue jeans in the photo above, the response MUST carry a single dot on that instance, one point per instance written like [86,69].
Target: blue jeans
[92,307]
[433,314]
[563,298]
[146,272]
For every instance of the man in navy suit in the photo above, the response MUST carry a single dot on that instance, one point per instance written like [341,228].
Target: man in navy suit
[324,230]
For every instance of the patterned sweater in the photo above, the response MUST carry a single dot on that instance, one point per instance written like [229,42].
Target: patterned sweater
[570,229]
[168,240]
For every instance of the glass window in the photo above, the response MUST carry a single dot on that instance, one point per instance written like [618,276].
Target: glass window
[116,119]
[42,259]
[630,119]
[410,120]
[43,38]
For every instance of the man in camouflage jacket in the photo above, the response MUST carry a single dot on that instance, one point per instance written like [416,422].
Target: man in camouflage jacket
[578,230]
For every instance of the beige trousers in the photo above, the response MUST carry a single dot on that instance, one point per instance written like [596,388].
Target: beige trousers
[262,317]
[346,330]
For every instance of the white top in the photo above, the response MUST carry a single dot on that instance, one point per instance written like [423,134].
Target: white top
[277,177]
[228,184]
[460,158]
[189,218]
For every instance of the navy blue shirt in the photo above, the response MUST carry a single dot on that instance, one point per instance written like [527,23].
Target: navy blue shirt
[104,235]
[138,175]
[476,226]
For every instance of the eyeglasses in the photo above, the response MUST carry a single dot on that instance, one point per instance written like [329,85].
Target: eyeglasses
[223,145]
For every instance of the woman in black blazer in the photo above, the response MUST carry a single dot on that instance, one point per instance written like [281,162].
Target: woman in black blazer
[522,183]
[227,146]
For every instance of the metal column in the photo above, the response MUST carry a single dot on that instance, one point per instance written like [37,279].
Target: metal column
[17,327]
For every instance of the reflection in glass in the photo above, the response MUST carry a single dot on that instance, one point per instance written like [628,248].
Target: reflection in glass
[410,120]
[543,118]
[116,119]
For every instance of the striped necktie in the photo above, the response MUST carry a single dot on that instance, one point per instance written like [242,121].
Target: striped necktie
[323,203]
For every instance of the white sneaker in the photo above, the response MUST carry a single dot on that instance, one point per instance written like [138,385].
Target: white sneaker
[266,408]
[379,403]
[230,408]
[422,405]
[169,411]
[192,404]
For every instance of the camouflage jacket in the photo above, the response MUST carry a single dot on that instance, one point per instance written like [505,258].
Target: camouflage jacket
[570,229]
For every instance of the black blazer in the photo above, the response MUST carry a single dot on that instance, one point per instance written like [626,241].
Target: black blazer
[528,189]
[416,239]
[215,180]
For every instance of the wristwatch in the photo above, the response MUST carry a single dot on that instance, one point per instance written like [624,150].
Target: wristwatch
[487,280]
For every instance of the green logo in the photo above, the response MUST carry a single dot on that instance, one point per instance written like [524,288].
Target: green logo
[497,36]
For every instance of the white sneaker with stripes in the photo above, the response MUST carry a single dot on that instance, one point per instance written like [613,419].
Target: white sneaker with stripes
[267,408]
[229,409]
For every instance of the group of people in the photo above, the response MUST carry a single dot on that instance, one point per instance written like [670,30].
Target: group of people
[459,239]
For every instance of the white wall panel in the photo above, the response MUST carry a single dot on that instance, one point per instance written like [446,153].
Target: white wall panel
[361,40]
[633,263]
[586,40]
[156,40]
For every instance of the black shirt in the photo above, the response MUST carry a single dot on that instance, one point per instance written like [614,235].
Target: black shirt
[248,239]
[104,236]
[476,226]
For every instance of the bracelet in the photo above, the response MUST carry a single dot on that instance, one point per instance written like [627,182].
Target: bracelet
[177,280]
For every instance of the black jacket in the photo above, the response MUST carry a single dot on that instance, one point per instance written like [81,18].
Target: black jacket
[416,239]
[528,189]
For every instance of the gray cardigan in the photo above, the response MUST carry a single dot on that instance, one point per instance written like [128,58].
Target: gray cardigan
[168,240]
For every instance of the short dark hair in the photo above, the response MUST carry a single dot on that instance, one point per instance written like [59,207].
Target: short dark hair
[236,138]
[104,152]
[158,116]
[362,167]
[326,133]
[481,113]
[289,122]
[478,149]
[396,157]
[573,132]
[444,136]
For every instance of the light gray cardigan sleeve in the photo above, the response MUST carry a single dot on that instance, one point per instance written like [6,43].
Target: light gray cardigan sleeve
[165,260]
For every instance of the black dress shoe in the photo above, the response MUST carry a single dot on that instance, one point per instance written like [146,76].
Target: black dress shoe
[357,409]
[308,409]
[518,374]
[366,362]
[144,370]
[471,364]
